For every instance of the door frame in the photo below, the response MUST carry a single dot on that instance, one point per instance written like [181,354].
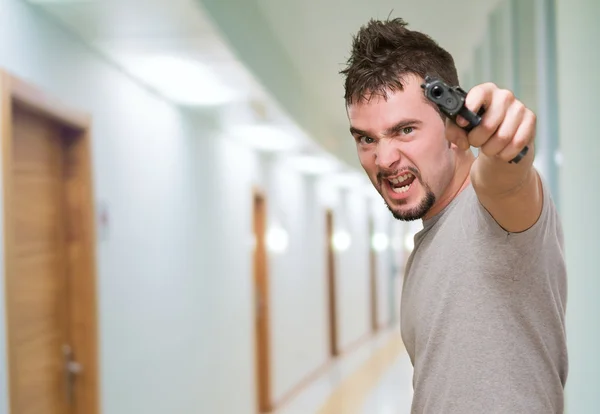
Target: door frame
[373,276]
[83,315]
[262,325]
[334,348]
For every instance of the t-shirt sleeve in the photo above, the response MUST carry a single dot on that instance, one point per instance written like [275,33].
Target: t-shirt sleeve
[546,222]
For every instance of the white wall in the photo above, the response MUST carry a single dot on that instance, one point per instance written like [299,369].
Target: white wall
[297,279]
[567,111]
[352,266]
[383,223]
[175,304]
[350,210]
[578,60]
[158,351]
[3,350]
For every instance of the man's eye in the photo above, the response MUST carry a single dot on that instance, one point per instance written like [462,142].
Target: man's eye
[366,140]
[407,130]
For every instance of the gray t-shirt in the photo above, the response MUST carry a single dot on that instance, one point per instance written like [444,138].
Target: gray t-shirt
[483,313]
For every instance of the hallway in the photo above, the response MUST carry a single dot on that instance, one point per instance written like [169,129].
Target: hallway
[374,378]
[187,226]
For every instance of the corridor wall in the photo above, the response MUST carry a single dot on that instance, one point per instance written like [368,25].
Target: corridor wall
[554,58]
[578,59]
[175,263]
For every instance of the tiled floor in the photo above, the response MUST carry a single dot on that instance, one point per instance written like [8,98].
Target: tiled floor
[373,379]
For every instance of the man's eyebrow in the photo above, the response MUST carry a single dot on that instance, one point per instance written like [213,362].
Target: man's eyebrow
[356,131]
[401,125]
[390,131]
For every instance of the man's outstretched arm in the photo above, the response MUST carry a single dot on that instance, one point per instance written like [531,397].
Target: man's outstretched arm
[510,192]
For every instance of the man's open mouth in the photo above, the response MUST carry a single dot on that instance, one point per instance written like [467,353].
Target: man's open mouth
[402,183]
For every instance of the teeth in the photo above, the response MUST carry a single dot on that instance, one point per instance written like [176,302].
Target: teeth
[398,180]
[401,189]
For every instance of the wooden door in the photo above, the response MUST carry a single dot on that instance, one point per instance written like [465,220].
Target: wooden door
[373,278]
[331,285]
[261,298]
[49,265]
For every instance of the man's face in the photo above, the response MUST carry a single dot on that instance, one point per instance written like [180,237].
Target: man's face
[402,147]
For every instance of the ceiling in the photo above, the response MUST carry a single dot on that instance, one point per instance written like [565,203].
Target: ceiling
[297,48]
[123,29]
[284,55]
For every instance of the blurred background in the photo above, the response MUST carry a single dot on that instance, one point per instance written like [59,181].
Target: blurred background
[186,227]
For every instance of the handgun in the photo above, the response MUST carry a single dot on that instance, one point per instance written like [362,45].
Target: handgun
[451,101]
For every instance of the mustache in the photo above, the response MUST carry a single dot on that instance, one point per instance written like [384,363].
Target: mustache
[383,175]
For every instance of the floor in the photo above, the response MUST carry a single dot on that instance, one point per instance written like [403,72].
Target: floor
[373,379]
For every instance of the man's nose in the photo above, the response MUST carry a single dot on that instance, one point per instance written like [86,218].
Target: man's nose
[387,155]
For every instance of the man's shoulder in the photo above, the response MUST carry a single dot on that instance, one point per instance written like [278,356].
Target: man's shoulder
[471,210]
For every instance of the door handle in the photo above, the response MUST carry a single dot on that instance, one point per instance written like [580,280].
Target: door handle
[72,369]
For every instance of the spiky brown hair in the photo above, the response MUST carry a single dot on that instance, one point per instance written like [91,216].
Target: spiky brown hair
[384,52]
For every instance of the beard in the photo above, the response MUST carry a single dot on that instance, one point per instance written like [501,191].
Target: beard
[417,212]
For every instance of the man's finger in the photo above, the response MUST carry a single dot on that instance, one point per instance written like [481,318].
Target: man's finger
[506,131]
[457,135]
[523,137]
[479,96]
[462,122]
[499,102]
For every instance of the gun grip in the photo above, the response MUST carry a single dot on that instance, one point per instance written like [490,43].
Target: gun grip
[472,118]
[521,155]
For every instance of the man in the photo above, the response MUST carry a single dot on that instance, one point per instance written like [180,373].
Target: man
[484,292]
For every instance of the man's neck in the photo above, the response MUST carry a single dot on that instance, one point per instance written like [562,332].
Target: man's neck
[460,180]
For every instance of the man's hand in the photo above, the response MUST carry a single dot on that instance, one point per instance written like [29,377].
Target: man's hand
[510,192]
[507,126]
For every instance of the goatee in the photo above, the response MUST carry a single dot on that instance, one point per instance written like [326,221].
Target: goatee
[415,213]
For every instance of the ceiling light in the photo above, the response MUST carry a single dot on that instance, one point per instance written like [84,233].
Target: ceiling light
[264,138]
[277,239]
[341,240]
[558,158]
[380,242]
[183,81]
